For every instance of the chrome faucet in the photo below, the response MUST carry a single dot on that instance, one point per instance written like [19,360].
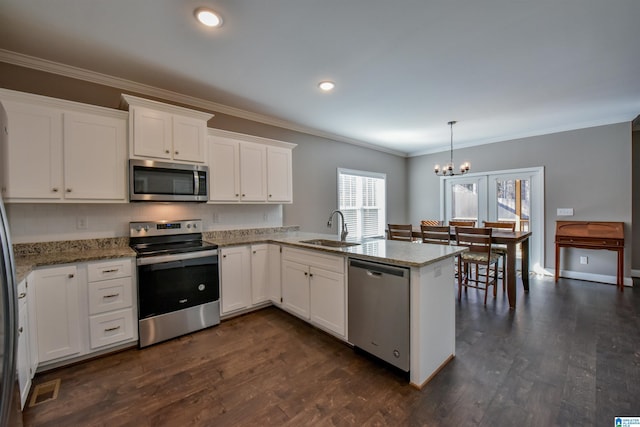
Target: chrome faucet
[344,232]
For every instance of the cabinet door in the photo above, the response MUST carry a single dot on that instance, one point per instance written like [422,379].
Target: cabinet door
[259,273]
[58,314]
[253,172]
[235,278]
[33,165]
[94,157]
[33,333]
[151,133]
[224,170]
[279,175]
[189,139]
[327,295]
[23,361]
[275,292]
[295,288]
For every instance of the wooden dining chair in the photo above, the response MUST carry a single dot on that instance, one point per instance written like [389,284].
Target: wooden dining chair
[430,222]
[478,240]
[400,232]
[436,234]
[501,249]
[461,223]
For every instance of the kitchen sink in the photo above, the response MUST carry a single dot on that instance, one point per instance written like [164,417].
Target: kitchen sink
[330,243]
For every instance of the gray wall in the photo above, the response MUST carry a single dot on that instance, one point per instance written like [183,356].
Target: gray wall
[588,170]
[635,234]
[315,160]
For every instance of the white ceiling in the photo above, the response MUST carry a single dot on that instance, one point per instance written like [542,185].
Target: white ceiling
[502,68]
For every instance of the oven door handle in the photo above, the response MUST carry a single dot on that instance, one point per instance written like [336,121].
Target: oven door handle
[176,257]
[164,266]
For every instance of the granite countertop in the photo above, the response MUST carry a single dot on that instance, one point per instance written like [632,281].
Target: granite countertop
[32,255]
[380,250]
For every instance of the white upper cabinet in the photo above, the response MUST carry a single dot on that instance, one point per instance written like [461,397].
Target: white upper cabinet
[166,132]
[104,141]
[249,169]
[62,151]
[253,172]
[224,169]
[279,175]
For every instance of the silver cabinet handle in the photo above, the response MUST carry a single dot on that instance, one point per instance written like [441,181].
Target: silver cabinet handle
[177,152]
[68,190]
[167,151]
[112,329]
[55,190]
[20,329]
[113,270]
[111,296]
[22,295]
[71,276]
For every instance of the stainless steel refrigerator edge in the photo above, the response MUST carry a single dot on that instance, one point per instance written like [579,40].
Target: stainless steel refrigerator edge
[10,414]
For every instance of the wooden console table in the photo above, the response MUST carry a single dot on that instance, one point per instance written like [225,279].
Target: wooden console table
[591,235]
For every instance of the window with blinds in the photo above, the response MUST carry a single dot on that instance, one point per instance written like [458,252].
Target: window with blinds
[362,200]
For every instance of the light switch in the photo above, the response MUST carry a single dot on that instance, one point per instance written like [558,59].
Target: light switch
[565,211]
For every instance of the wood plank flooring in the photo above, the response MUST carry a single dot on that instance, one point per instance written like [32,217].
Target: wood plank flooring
[568,356]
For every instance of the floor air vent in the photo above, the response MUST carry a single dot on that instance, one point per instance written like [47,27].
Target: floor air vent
[45,392]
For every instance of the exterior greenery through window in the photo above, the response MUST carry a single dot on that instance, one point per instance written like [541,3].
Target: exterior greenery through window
[362,200]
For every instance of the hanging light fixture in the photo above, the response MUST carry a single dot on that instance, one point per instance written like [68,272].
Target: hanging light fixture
[447,170]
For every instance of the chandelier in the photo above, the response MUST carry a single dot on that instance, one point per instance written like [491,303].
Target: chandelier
[447,170]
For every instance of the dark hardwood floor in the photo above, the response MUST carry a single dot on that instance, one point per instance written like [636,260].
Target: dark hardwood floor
[569,355]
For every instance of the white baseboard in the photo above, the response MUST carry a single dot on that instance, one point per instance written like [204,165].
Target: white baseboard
[590,277]
[635,273]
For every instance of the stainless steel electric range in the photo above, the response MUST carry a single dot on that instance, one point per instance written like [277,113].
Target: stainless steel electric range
[178,284]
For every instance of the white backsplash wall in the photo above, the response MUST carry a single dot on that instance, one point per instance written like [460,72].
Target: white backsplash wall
[35,222]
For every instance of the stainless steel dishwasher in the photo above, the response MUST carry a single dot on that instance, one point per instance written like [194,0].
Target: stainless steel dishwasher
[379,311]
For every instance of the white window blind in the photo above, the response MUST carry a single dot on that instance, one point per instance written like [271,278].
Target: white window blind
[362,200]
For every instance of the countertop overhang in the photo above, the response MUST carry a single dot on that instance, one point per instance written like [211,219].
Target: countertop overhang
[374,249]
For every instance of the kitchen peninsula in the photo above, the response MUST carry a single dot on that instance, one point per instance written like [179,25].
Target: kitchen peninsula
[432,290]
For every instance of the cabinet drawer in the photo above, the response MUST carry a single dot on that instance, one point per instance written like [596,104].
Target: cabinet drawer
[111,328]
[111,269]
[317,259]
[108,295]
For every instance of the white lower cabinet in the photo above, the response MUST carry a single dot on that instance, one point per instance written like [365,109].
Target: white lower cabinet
[235,278]
[313,287]
[81,309]
[110,298]
[249,276]
[25,373]
[57,312]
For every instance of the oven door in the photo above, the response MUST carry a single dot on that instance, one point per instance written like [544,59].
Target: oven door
[174,282]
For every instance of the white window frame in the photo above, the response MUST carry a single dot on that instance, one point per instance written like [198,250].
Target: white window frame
[365,174]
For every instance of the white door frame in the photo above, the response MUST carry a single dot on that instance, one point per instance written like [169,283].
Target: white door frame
[487,210]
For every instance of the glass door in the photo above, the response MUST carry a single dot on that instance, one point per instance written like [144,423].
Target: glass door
[514,195]
[465,199]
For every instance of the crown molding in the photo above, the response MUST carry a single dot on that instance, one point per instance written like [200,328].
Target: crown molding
[52,67]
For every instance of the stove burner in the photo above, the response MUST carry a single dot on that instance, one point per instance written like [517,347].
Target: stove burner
[167,238]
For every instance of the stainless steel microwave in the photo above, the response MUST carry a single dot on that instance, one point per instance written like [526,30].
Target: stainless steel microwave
[153,181]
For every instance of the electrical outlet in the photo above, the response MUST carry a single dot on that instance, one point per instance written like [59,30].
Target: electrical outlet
[82,222]
[216,218]
[265,217]
[564,212]
[584,260]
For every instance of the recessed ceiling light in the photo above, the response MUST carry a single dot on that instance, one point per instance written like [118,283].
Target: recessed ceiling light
[326,86]
[208,17]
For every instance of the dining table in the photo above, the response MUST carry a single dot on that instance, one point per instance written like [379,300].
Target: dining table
[511,240]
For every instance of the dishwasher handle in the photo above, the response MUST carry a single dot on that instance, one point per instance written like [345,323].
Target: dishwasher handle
[377,270]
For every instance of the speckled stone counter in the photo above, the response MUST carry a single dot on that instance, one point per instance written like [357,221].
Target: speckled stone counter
[381,250]
[31,255]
